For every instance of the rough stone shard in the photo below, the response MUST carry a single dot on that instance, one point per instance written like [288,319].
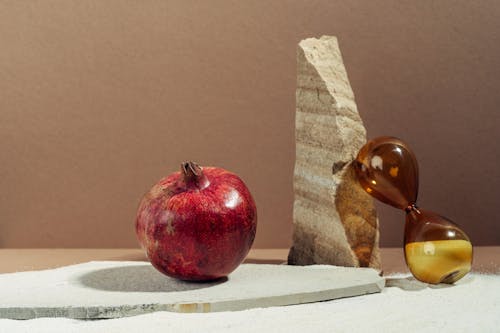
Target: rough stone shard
[106,289]
[335,221]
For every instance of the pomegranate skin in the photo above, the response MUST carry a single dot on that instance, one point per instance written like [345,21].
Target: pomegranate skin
[197,224]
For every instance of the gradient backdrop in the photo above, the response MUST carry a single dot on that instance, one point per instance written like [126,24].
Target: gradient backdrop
[100,99]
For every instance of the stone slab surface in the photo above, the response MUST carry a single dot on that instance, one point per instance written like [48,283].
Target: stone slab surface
[109,289]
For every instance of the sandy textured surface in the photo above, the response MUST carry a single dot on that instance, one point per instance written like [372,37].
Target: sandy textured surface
[473,305]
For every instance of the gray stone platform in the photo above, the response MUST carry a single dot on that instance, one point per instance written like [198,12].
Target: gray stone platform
[110,289]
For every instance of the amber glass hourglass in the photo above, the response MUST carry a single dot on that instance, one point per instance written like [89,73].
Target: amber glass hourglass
[436,249]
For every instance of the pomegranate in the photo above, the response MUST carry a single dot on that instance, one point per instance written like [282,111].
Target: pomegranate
[197,224]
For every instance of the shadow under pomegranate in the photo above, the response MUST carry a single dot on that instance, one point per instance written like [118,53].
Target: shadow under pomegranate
[140,278]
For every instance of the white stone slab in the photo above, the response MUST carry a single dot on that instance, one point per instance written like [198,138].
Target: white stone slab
[110,289]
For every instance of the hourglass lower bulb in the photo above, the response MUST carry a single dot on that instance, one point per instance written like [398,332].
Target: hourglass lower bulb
[436,249]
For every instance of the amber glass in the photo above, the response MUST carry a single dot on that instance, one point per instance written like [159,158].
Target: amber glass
[436,249]
[388,170]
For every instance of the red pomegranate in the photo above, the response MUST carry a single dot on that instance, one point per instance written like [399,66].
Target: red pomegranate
[197,224]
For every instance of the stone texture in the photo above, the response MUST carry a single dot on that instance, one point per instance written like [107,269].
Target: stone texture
[335,221]
[110,289]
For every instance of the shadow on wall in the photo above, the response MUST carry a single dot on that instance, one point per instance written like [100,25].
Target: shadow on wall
[139,278]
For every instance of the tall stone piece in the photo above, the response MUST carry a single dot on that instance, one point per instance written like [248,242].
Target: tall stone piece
[335,221]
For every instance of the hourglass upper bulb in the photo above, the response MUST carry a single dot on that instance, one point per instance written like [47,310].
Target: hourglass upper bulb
[388,170]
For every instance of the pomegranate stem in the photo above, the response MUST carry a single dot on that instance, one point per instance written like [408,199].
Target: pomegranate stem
[193,175]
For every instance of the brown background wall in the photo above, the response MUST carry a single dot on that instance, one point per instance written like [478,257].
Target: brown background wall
[99,99]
